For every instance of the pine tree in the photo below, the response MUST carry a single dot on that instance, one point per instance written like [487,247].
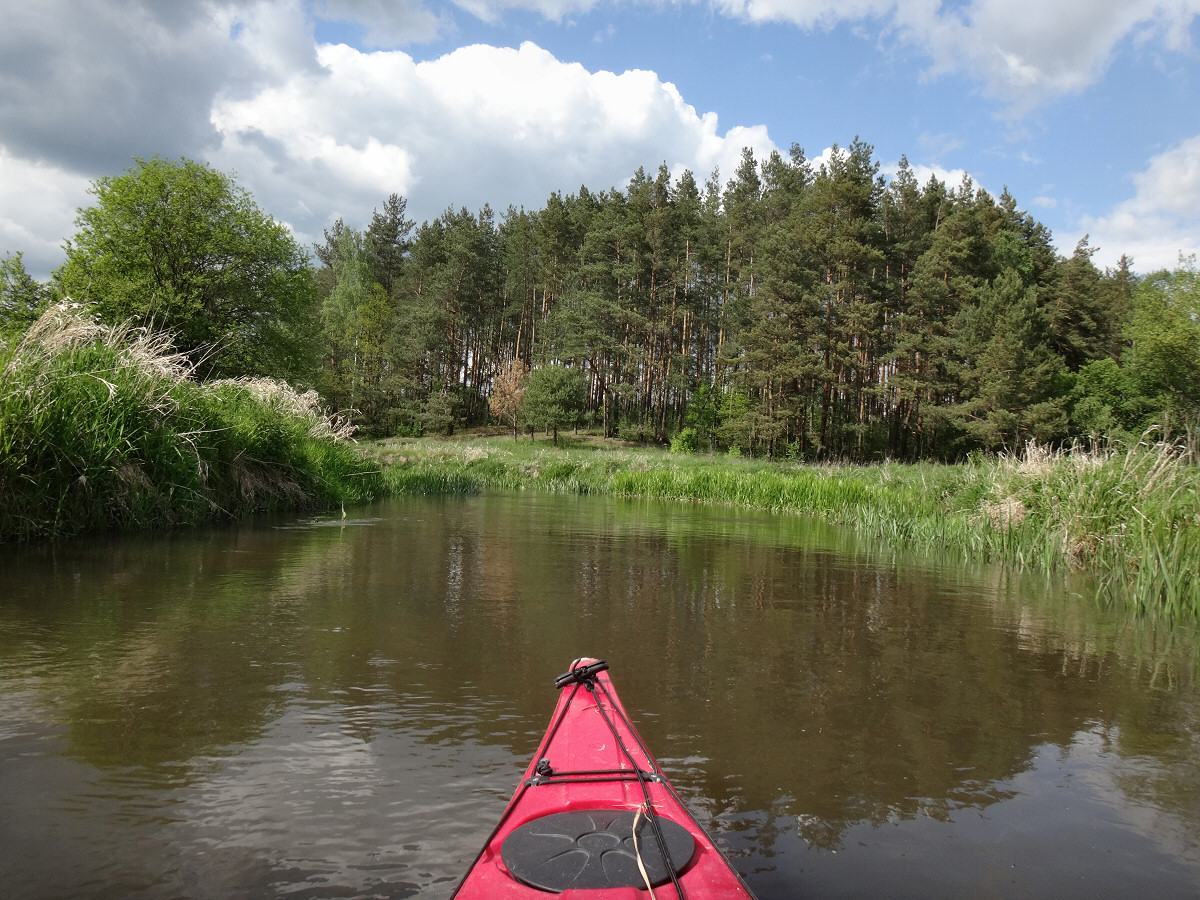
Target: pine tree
[1010,369]
[1083,309]
[388,241]
[843,230]
[554,398]
[910,218]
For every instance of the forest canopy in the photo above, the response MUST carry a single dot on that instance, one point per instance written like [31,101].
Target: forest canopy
[814,311]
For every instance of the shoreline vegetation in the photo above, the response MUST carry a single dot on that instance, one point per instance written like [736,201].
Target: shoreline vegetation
[1128,516]
[105,427]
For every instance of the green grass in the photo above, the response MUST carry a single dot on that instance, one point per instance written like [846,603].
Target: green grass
[103,427]
[1130,517]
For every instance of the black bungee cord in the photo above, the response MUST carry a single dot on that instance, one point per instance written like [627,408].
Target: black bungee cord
[643,782]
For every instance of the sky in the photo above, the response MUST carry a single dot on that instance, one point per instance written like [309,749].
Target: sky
[1087,111]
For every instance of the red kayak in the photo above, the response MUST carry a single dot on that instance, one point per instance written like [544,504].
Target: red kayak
[594,817]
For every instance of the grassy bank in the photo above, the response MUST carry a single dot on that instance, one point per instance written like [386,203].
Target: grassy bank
[104,427]
[1130,517]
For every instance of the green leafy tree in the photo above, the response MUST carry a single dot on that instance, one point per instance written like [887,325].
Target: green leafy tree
[704,415]
[340,314]
[1164,357]
[554,398]
[439,414]
[740,419]
[180,247]
[21,297]
[1157,380]
[1105,401]
[351,280]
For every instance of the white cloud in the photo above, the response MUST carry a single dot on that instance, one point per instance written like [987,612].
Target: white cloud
[805,13]
[312,131]
[270,38]
[1161,220]
[1023,52]
[320,131]
[479,125]
[1171,183]
[1026,52]
[88,87]
[951,178]
[395,23]
[824,159]
[37,209]
[97,81]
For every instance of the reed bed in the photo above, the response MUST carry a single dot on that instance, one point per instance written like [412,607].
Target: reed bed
[105,427]
[1129,516]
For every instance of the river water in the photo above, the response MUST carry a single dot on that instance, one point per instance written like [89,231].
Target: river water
[314,708]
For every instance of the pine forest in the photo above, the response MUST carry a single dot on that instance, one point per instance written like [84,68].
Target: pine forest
[808,311]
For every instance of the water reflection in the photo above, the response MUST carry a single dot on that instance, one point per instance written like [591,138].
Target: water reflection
[329,707]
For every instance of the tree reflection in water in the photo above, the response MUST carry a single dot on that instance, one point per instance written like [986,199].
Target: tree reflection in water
[335,706]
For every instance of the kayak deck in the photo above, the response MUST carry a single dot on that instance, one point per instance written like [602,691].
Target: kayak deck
[594,817]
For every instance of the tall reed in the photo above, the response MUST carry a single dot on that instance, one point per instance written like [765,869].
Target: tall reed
[104,427]
[1130,516]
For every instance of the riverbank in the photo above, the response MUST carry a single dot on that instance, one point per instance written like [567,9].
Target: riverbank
[104,428]
[1129,517]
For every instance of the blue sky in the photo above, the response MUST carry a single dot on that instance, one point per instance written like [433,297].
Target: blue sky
[1087,110]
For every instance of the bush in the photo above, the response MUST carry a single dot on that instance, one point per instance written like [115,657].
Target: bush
[687,441]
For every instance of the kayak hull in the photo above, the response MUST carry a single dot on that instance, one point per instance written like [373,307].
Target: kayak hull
[594,818]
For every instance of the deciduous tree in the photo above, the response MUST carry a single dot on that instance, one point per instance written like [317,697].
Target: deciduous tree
[180,247]
[508,394]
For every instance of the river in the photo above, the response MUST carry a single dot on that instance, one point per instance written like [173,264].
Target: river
[336,707]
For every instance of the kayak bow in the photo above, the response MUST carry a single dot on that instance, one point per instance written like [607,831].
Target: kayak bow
[594,817]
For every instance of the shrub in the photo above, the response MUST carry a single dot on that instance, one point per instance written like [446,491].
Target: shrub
[686,441]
